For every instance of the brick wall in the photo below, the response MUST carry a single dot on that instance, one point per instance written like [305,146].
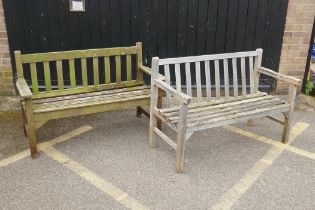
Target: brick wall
[296,40]
[6,77]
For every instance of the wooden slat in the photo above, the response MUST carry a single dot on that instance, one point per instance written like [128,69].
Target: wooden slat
[226,112]
[243,74]
[178,77]
[216,101]
[91,94]
[235,82]
[47,76]
[91,103]
[276,75]
[72,73]
[128,65]
[251,75]
[78,90]
[207,57]
[107,70]
[90,99]
[84,72]
[66,55]
[218,110]
[34,77]
[198,82]
[118,69]
[60,75]
[226,78]
[168,81]
[214,106]
[208,80]
[96,108]
[258,113]
[188,79]
[96,71]
[217,78]
[165,138]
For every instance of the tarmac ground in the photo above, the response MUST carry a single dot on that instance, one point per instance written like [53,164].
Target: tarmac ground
[103,161]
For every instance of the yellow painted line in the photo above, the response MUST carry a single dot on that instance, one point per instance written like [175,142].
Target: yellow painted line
[108,188]
[44,145]
[232,195]
[266,140]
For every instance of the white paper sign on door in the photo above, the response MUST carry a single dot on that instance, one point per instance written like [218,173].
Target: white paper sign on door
[77,6]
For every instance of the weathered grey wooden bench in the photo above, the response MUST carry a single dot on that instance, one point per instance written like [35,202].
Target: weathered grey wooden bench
[213,102]
[79,98]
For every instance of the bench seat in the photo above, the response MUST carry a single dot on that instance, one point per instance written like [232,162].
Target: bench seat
[90,99]
[219,112]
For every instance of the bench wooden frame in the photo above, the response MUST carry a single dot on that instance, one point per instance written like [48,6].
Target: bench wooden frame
[38,106]
[187,113]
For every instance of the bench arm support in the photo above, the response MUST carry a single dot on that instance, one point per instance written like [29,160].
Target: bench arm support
[278,76]
[23,89]
[183,98]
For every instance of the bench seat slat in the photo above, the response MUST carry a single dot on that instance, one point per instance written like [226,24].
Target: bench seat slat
[96,93]
[199,116]
[91,100]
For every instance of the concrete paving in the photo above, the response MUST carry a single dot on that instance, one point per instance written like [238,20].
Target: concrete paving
[116,151]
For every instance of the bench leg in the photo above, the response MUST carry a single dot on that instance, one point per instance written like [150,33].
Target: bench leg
[286,127]
[181,138]
[31,129]
[139,112]
[153,118]
[159,105]
[288,115]
[180,151]
[23,119]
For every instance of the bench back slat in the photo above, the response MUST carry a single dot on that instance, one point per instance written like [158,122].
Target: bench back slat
[95,72]
[47,76]
[72,73]
[178,77]
[198,81]
[226,78]
[84,72]
[128,64]
[188,79]
[209,76]
[208,80]
[118,69]
[235,78]
[243,76]
[34,77]
[71,69]
[107,70]
[61,85]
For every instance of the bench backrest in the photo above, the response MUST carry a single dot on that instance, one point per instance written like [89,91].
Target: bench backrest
[209,76]
[111,68]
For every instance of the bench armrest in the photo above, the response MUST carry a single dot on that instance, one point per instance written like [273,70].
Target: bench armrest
[285,78]
[23,89]
[169,89]
[148,71]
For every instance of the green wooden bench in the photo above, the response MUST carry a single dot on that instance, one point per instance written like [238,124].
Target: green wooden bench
[42,103]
